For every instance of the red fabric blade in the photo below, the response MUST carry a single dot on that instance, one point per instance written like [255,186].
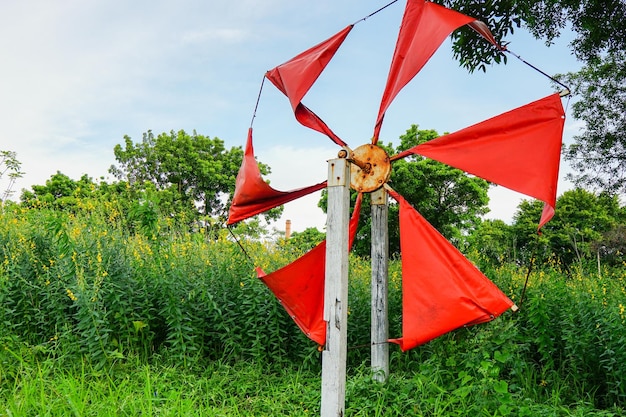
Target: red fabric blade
[519,149]
[300,286]
[424,27]
[441,289]
[295,77]
[253,195]
[307,118]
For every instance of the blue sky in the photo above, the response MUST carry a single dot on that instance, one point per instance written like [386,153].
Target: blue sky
[77,76]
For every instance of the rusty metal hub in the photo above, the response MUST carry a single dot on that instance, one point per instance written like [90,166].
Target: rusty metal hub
[370,168]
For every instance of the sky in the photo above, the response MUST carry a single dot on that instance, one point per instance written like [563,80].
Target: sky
[77,76]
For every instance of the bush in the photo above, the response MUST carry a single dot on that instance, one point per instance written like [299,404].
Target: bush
[82,286]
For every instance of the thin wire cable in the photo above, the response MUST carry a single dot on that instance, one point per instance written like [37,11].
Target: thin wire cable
[256,106]
[567,103]
[567,91]
[530,268]
[373,13]
[241,246]
[263,80]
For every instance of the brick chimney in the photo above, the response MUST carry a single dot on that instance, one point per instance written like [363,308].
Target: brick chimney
[287,229]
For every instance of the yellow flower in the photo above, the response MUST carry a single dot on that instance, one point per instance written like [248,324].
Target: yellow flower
[71,295]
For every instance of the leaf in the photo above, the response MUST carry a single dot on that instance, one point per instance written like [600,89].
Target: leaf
[501,357]
[501,387]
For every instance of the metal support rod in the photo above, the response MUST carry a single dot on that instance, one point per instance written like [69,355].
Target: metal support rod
[336,290]
[365,166]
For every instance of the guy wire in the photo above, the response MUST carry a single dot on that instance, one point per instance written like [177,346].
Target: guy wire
[567,91]
[256,106]
[372,14]
[530,269]
[241,246]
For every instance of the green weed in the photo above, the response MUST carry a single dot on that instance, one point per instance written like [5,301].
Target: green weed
[97,318]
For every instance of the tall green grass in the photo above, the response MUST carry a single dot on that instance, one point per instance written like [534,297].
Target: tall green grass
[96,315]
[83,283]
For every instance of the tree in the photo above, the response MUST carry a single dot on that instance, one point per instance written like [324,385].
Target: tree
[140,209]
[59,192]
[612,246]
[197,172]
[9,166]
[451,200]
[301,242]
[598,25]
[494,241]
[581,218]
[599,153]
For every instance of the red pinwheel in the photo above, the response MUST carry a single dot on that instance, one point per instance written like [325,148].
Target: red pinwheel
[441,289]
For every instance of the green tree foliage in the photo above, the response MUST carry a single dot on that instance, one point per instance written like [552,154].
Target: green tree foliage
[598,25]
[494,240]
[612,246]
[581,219]
[173,178]
[194,168]
[139,208]
[451,200]
[301,242]
[600,40]
[598,154]
[192,174]
[59,192]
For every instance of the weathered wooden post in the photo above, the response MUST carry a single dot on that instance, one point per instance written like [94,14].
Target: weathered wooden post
[336,290]
[370,171]
[380,261]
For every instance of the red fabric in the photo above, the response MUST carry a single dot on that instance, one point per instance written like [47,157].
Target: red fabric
[253,195]
[424,27]
[483,30]
[441,289]
[519,149]
[296,76]
[300,286]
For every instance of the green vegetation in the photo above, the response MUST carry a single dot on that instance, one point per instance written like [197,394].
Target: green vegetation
[450,199]
[597,153]
[130,298]
[191,174]
[97,318]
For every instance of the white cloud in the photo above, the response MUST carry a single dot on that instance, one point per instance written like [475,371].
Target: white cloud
[297,167]
[77,76]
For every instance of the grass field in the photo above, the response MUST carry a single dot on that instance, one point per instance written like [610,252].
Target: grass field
[50,388]
[97,320]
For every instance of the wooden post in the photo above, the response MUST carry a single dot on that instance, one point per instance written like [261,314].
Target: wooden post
[380,257]
[336,290]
